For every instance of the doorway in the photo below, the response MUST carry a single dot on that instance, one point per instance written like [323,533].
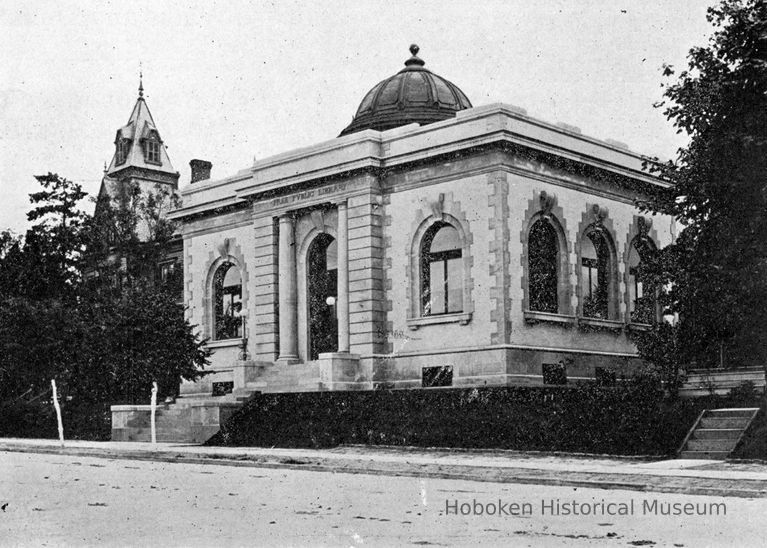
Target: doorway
[322,289]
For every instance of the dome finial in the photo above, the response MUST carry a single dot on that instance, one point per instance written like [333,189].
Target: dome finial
[414,60]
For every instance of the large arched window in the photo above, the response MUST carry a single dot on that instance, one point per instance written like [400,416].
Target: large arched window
[596,272]
[227,302]
[543,257]
[641,294]
[441,271]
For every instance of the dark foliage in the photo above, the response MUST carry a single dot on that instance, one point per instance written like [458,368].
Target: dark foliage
[629,419]
[89,313]
[717,268]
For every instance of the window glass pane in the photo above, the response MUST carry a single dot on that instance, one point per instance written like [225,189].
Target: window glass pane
[437,287]
[368,100]
[417,88]
[390,92]
[455,285]
[443,92]
[227,288]
[446,239]
[588,251]
[543,255]
[331,256]
[232,277]
[595,274]
[588,280]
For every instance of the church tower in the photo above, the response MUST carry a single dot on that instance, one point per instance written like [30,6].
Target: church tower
[140,154]
[140,165]
[140,168]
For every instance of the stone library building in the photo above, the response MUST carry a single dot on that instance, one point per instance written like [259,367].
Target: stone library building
[431,243]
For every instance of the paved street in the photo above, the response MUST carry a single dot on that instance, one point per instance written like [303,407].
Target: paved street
[51,500]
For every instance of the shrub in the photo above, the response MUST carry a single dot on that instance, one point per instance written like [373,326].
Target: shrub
[630,418]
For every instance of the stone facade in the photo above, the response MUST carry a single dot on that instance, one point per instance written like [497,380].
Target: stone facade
[490,173]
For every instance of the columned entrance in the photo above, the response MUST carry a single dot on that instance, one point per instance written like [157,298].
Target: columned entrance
[322,295]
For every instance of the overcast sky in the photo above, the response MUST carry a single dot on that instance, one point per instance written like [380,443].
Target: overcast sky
[229,81]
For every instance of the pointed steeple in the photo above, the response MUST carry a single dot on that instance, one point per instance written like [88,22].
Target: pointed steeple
[138,143]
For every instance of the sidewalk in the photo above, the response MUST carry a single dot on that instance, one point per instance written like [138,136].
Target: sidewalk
[697,477]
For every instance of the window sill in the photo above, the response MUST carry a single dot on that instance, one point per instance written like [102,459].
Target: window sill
[598,323]
[462,318]
[224,343]
[639,327]
[533,317]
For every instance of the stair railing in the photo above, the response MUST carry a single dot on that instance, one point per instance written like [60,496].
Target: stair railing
[689,433]
[743,432]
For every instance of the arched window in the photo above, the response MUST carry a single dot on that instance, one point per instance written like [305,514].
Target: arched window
[596,270]
[543,257]
[441,271]
[227,302]
[642,306]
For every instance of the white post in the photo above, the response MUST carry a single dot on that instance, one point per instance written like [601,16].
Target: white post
[153,407]
[58,412]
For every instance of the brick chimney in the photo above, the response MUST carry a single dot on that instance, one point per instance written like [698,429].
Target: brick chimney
[200,170]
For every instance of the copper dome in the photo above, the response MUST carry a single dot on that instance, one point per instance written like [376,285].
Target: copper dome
[414,94]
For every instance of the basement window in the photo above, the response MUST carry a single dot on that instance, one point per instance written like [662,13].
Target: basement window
[441,375]
[554,373]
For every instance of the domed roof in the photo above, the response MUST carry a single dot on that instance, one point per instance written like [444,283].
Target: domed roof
[414,94]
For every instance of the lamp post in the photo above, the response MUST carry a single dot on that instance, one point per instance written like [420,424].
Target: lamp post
[672,318]
[331,302]
[243,314]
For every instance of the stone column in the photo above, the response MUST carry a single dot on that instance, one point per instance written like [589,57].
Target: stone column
[343,278]
[288,292]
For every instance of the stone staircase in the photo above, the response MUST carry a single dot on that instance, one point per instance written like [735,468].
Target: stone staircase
[716,433]
[195,419]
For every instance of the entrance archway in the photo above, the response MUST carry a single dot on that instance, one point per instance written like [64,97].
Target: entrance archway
[322,292]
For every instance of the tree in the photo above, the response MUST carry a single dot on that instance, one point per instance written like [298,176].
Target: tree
[39,282]
[129,234]
[715,274]
[139,332]
[53,244]
[63,317]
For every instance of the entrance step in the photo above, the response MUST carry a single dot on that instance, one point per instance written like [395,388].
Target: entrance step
[716,433]
[196,418]
[704,455]
[724,422]
[190,420]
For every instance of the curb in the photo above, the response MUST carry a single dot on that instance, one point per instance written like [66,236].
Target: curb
[742,488]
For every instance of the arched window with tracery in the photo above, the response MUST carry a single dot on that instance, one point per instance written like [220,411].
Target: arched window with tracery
[543,261]
[641,293]
[441,271]
[227,302]
[596,272]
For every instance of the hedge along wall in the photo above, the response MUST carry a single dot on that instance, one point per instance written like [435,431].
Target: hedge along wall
[630,419]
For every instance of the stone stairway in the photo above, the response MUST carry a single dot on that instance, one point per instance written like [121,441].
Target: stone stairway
[192,420]
[716,433]
[195,419]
